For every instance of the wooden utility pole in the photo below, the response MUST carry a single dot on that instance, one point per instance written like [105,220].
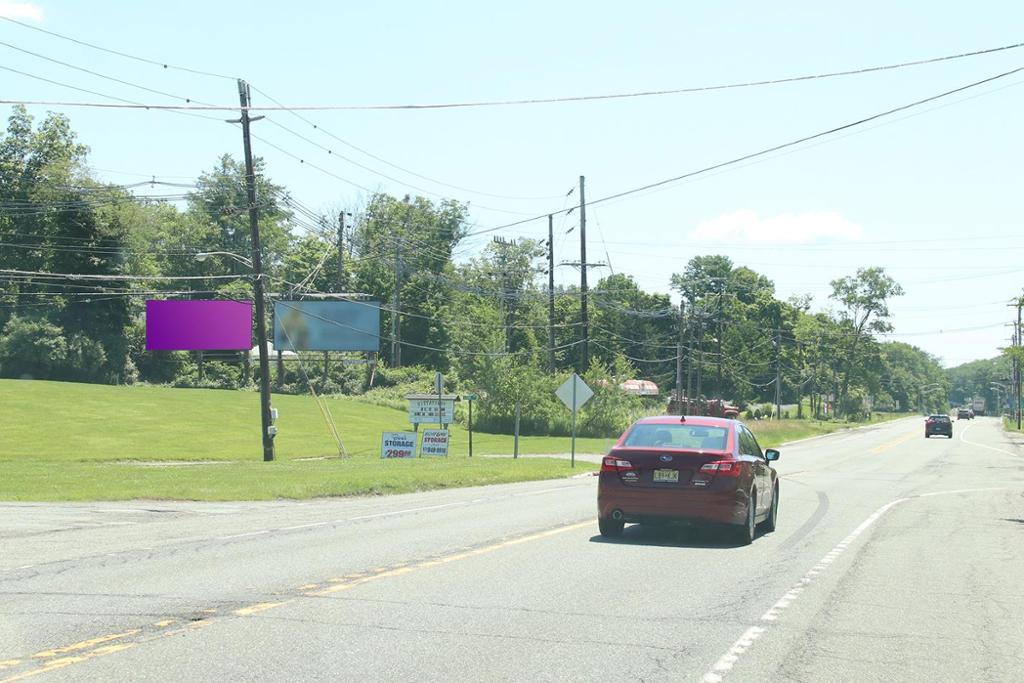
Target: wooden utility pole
[584,314]
[778,374]
[689,356]
[257,271]
[551,293]
[341,251]
[719,361]
[700,364]
[396,303]
[679,357]
[1017,366]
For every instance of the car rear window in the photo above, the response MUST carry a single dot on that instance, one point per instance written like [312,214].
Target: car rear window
[683,436]
[940,418]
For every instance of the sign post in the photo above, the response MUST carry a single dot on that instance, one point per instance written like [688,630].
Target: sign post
[469,399]
[574,392]
[439,390]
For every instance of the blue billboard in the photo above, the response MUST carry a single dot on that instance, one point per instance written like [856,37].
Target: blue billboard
[327,325]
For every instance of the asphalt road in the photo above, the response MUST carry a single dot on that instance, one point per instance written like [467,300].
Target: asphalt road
[896,558]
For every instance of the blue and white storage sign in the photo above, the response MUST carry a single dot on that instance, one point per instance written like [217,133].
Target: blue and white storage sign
[435,443]
[398,445]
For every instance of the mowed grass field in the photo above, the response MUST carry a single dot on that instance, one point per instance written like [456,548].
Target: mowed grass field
[67,441]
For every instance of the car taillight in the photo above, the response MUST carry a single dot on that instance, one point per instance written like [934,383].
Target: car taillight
[929,422]
[613,464]
[728,468]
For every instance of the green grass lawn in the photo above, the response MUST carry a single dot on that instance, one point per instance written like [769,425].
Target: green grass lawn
[68,421]
[67,441]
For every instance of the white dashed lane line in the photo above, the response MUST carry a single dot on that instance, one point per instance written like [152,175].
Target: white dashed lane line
[726,662]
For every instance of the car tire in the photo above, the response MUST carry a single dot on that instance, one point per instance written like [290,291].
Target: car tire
[768,525]
[609,528]
[744,533]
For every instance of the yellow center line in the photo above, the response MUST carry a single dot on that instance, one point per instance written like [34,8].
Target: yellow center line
[407,568]
[260,607]
[83,645]
[895,442]
[68,661]
[346,583]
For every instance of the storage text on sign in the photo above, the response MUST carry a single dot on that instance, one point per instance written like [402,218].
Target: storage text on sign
[398,445]
[435,443]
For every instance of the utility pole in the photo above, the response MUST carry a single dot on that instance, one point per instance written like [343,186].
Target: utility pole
[718,380]
[257,271]
[700,363]
[679,360]
[689,356]
[778,375]
[551,293]
[341,250]
[800,386]
[1017,366]
[584,314]
[396,303]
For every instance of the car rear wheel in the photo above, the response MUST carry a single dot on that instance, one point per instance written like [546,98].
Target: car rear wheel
[768,525]
[745,532]
[609,528]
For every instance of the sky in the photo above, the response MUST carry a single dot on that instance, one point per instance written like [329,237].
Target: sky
[932,194]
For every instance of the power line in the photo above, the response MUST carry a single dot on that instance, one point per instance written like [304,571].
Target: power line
[768,150]
[153,62]
[90,276]
[123,103]
[515,102]
[100,75]
[336,155]
[328,133]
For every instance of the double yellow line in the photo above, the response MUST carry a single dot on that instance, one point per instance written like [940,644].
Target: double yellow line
[53,660]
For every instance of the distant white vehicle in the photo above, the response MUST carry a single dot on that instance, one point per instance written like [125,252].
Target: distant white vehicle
[978,405]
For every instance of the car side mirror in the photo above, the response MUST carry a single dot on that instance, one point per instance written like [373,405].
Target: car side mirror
[771,454]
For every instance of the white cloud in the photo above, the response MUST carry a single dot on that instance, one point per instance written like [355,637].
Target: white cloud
[22,11]
[787,228]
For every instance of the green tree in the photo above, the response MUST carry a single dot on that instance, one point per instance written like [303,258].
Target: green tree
[414,238]
[865,300]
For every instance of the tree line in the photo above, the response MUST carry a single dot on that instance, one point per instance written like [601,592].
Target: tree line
[79,257]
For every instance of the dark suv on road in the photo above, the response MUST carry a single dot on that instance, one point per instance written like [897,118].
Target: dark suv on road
[938,424]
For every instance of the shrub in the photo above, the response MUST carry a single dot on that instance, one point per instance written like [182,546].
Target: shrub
[34,349]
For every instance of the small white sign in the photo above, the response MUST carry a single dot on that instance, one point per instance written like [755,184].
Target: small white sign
[435,443]
[398,445]
[426,409]
[565,392]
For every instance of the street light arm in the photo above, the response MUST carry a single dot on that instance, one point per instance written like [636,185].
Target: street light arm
[203,255]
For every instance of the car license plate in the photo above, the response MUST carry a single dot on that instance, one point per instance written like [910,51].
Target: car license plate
[669,476]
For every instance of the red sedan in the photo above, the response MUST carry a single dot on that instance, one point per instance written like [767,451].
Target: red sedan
[703,470]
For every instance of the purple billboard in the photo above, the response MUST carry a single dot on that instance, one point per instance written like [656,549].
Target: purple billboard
[178,325]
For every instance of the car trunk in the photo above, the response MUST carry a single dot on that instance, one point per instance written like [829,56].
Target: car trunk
[657,468]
